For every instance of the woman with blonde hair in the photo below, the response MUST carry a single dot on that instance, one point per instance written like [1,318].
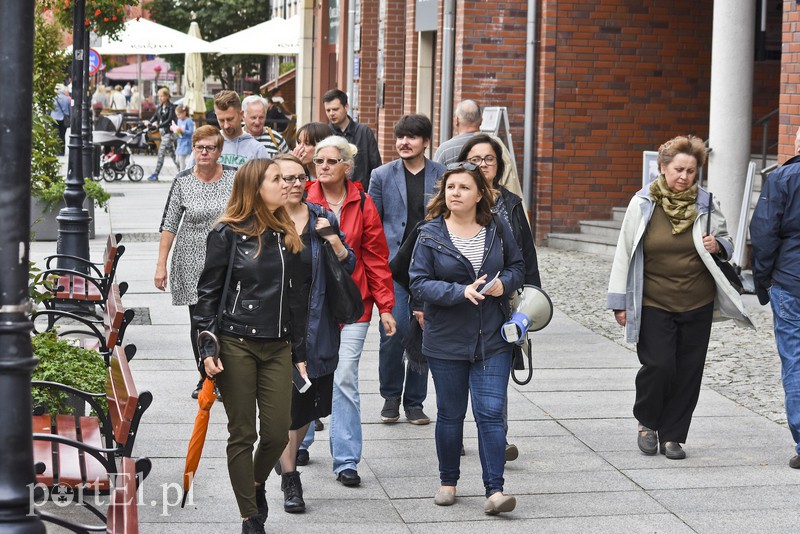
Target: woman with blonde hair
[256,239]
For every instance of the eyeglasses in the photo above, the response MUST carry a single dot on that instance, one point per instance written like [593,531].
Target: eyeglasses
[329,161]
[488,160]
[205,148]
[466,165]
[292,178]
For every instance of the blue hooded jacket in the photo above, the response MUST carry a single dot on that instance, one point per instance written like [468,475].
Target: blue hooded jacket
[322,331]
[455,328]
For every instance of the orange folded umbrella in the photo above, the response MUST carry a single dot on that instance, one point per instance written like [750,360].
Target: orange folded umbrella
[205,399]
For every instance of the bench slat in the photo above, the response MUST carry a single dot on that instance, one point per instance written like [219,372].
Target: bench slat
[64,282]
[114,316]
[78,288]
[69,462]
[43,450]
[96,475]
[93,293]
[123,515]
[110,254]
[122,396]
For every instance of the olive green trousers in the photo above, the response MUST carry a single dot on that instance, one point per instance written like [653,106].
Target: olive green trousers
[257,374]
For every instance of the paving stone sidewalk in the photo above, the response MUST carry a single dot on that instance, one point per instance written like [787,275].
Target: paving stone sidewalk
[579,469]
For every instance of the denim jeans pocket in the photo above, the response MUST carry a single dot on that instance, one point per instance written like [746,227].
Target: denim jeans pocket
[789,306]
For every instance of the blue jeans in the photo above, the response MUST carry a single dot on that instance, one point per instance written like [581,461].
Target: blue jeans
[391,369]
[786,317]
[486,383]
[345,429]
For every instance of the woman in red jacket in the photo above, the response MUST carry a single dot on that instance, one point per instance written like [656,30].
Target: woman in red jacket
[359,220]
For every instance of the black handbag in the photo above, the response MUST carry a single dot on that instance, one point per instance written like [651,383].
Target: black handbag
[344,297]
[726,268]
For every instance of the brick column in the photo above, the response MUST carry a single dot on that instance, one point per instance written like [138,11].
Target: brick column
[394,83]
[367,109]
[790,81]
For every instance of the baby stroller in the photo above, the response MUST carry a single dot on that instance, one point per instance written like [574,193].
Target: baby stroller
[118,160]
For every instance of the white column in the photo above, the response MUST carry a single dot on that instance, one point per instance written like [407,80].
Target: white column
[730,113]
[304,87]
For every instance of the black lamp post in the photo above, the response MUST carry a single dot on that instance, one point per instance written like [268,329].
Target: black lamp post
[73,220]
[16,357]
[87,152]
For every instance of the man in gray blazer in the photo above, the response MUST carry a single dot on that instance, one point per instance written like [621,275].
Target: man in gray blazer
[401,191]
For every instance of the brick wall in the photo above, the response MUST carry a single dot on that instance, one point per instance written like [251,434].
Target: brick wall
[615,78]
[367,82]
[766,76]
[410,59]
[490,59]
[790,80]
[394,37]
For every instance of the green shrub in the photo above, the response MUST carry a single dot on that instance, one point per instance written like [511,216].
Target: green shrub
[63,362]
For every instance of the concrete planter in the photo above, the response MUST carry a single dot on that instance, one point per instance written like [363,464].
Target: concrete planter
[44,226]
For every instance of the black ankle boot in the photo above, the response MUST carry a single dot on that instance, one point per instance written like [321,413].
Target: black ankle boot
[252,526]
[292,493]
[261,503]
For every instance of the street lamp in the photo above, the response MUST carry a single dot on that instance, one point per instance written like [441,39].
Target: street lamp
[16,356]
[73,220]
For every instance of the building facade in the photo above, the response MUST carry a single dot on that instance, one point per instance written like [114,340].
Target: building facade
[607,80]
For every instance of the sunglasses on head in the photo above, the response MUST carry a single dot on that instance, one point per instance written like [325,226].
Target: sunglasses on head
[466,165]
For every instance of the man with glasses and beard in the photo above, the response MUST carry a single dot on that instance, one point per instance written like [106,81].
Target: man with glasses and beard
[401,191]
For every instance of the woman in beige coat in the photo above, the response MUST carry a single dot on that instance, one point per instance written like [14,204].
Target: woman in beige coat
[666,289]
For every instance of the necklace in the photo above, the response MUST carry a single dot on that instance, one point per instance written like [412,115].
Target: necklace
[340,200]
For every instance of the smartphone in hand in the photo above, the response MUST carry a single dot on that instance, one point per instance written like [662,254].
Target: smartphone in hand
[302,383]
[488,285]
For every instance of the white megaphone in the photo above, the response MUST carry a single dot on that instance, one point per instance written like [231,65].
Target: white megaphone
[531,310]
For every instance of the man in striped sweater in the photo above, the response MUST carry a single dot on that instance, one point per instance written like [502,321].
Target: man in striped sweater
[255,115]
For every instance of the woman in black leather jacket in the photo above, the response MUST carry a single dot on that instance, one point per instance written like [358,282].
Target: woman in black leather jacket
[255,327]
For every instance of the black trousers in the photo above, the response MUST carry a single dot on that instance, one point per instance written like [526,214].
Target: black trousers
[672,350]
[193,331]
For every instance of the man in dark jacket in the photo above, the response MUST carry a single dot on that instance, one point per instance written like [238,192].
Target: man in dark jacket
[401,191]
[368,156]
[775,235]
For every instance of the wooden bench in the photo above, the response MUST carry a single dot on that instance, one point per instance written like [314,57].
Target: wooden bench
[100,335]
[122,516]
[90,286]
[81,452]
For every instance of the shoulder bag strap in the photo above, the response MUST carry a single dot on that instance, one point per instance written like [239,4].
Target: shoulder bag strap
[272,136]
[228,274]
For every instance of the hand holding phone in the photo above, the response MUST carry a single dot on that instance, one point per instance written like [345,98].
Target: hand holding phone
[300,379]
[489,284]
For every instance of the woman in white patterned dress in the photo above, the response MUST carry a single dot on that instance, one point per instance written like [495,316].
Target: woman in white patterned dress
[196,200]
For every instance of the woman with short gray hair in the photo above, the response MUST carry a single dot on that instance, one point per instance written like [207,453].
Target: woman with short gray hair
[361,224]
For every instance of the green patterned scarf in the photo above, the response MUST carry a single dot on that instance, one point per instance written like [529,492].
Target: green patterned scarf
[681,208]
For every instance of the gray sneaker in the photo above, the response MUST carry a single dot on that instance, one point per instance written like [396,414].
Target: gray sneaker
[391,411]
[416,416]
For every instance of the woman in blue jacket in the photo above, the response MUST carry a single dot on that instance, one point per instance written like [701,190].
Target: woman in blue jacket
[465,266]
[316,226]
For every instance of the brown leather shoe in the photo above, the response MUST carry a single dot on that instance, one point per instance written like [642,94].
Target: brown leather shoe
[794,461]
